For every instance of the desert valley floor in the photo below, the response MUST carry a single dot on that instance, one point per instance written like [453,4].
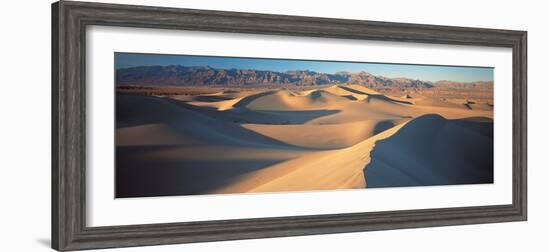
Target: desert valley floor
[271,140]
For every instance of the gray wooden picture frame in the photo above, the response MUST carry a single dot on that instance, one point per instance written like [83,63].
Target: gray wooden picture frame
[69,21]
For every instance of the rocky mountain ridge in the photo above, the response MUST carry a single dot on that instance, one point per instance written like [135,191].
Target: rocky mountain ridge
[178,75]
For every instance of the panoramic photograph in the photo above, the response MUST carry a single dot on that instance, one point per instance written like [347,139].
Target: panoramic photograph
[202,125]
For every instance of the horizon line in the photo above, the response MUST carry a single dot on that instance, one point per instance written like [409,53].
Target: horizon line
[169,59]
[306,70]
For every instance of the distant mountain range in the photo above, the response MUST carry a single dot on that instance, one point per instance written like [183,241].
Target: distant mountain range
[178,75]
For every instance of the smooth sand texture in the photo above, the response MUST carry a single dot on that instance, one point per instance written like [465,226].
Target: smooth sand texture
[451,152]
[336,137]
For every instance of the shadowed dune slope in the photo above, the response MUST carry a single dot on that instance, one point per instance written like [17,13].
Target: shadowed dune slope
[431,150]
[286,100]
[165,149]
[323,170]
[371,94]
[333,96]
[144,111]
[325,136]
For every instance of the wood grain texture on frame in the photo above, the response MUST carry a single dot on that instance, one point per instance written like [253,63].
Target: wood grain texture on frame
[69,21]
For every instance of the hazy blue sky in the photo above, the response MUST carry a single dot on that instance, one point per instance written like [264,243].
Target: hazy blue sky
[420,72]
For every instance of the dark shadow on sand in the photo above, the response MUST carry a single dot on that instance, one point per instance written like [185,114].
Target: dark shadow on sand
[139,176]
[241,114]
[431,150]
[374,96]
[211,98]
[383,126]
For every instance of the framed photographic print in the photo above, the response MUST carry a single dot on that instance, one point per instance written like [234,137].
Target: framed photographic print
[178,125]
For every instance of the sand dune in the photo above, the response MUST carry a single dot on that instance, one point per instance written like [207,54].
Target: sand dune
[438,152]
[324,136]
[374,162]
[286,140]
[184,123]
[337,169]
[166,149]
[285,100]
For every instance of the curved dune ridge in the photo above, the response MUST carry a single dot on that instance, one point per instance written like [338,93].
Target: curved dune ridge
[286,100]
[336,137]
[452,152]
